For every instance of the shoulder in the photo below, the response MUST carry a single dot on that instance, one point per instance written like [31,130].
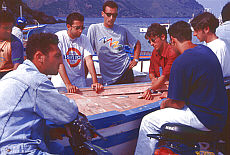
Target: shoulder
[83,38]
[61,33]
[95,26]
[120,28]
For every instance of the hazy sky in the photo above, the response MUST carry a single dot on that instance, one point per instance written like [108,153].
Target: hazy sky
[215,5]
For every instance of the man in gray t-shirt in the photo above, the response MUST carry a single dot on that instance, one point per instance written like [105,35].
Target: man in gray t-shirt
[109,40]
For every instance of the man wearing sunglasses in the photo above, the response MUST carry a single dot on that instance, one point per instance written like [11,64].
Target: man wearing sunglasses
[109,40]
[162,57]
[76,51]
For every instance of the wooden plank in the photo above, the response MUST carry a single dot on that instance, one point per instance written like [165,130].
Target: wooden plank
[119,90]
[118,98]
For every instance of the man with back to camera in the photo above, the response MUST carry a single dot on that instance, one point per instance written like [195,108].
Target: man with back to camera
[76,50]
[163,56]
[28,99]
[108,40]
[11,48]
[196,94]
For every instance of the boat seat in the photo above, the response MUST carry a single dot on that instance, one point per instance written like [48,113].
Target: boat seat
[185,134]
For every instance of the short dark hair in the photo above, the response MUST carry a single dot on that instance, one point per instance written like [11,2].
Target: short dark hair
[156,29]
[40,42]
[110,4]
[205,20]
[181,30]
[6,17]
[225,13]
[74,16]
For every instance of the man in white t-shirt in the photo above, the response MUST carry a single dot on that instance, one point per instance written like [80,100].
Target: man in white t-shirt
[204,26]
[76,51]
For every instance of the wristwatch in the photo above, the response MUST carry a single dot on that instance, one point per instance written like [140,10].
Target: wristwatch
[152,91]
[136,60]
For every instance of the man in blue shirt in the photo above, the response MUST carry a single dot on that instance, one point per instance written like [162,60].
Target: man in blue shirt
[196,94]
[28,99]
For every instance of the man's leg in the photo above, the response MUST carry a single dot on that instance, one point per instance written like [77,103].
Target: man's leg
[152,123]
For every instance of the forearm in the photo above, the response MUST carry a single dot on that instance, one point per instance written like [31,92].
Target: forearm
[137,50]
[63,74]
[170,103]
[156,84]
[91,68]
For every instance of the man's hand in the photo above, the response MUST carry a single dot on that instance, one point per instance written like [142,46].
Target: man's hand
[71,88]
[132,64]
[147,95]
[97,87]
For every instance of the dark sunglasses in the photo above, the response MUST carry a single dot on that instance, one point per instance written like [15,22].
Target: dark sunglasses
[79,27]
[153,40]
[112,14]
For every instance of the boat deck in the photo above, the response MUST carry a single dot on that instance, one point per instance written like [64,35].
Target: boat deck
[114,98]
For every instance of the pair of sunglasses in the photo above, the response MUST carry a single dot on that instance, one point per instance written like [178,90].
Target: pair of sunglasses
[112,14]
[153,40]
[79,27]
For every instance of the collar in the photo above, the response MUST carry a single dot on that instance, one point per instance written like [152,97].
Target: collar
[31,64]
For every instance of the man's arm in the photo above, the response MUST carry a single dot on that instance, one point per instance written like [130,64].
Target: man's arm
[170,103]
[137,50]
[90,65]
[156,83]
[17,54]
[53,106]
[70,88]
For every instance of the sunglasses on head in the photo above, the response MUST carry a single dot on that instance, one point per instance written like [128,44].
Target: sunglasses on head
[79,27]
[111,14]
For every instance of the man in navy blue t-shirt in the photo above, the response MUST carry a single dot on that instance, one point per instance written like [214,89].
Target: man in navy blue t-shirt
[196,95]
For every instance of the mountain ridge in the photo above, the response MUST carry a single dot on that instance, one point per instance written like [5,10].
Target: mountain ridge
[127,8]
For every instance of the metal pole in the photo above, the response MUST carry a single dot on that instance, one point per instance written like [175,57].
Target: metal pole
[20,11]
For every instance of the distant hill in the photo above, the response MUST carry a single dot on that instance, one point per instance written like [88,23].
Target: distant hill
[28,13]
[127,8]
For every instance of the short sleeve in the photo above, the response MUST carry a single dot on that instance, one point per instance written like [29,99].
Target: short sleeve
[53,106]
[131,40]
[17,55]
[91,37]
[177,82]
[88,50]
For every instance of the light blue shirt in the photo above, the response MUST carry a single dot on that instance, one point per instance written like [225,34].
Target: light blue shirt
[28,99]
